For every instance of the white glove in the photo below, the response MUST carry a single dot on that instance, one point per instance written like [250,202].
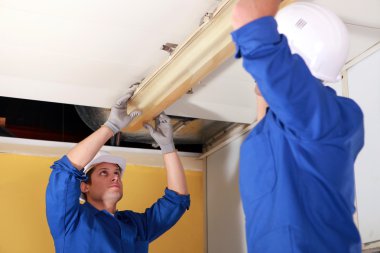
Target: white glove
[163,133]
[119,118]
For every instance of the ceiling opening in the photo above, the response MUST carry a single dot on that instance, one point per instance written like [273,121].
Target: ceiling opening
[31,119]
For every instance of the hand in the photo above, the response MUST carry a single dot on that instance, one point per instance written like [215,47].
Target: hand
[163,134]
[119,118]
[246,11]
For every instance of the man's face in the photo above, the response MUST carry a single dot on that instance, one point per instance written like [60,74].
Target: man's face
[106,184]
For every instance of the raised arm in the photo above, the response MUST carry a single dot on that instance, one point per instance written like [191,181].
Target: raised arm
[298,99]
[86,150]
[63,191]
[163,135]
[82,153]
[163,214]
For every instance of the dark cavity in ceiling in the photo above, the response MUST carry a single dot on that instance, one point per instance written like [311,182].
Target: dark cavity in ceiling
[72,123]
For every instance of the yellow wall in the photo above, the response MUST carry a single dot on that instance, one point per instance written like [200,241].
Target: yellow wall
[23,226]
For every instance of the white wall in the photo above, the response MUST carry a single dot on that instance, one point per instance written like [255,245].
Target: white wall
[225,219]
[364,88]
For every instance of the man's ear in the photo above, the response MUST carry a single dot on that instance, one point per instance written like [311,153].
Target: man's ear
[83,187]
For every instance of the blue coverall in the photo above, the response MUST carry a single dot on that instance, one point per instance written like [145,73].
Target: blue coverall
[83,228]
[297,165]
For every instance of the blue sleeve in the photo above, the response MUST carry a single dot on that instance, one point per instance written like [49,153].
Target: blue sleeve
[162,215]
[299,100]
[62,196]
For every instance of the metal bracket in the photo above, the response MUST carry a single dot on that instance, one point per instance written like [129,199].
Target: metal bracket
[169,47]
[210,13]
[206,18]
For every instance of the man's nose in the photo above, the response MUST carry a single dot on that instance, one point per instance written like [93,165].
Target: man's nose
[116,177]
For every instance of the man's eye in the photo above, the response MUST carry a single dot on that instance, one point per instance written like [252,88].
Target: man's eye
[103,173]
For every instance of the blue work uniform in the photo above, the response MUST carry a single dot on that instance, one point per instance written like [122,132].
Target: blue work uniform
[83,228]
[297,165]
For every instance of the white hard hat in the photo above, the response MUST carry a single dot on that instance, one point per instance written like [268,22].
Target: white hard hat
[318,36]
[104,157]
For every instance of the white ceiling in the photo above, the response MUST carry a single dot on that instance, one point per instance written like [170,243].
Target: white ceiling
[91,50]
[87,52]
[363,13]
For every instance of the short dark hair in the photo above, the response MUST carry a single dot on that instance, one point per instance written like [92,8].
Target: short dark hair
[88,174]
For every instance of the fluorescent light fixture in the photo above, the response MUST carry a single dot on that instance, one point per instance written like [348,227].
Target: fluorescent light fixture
[201,54]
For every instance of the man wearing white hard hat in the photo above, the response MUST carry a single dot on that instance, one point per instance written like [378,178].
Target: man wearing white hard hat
[297,164]
[95,177]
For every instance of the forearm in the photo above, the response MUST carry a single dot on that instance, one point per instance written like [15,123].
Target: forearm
[175,173]
[246,11]
[83,152]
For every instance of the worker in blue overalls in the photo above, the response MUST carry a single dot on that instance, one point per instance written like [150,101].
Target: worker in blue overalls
[297,164]
[96,225]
